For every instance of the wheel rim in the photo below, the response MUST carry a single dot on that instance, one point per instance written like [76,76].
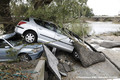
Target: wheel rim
[30,37]
[24,57]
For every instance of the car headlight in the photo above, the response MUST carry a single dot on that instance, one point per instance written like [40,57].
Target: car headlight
[36,50]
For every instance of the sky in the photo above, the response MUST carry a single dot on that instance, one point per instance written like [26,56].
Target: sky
[105,7]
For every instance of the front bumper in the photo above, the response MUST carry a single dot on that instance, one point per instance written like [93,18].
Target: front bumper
[36,55]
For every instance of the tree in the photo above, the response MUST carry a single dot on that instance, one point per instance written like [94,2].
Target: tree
[5,11]
[5,16]
[54,10]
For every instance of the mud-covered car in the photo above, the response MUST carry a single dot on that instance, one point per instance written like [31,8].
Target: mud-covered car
[13,49]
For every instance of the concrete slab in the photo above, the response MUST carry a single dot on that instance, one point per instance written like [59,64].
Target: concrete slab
[52,62]
[112,53]
[40,71]
[100,71]
[114,56]
[109,71]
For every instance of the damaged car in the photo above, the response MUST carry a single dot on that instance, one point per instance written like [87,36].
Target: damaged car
[13,49]
[36,30]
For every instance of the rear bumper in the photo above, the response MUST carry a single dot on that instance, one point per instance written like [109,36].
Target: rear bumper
[19,30]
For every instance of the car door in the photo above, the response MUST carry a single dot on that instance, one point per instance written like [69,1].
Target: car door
[45,31]
[4,47]
[63,41]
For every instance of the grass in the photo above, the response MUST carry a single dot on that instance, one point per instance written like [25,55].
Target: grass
[79,27]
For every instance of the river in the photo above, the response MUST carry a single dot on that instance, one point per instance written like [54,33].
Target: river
[102,27]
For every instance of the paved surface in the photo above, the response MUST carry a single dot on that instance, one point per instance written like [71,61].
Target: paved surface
[100,71]
[112,53]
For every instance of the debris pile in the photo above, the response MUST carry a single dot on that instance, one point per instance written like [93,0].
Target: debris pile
[56,66]
[88,57]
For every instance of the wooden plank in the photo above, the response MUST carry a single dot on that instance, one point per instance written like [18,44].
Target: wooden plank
[40,68]
[52,62]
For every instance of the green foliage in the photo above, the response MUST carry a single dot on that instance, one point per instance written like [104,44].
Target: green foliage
[80,29]
[18,10]
[13,54]
[57,11]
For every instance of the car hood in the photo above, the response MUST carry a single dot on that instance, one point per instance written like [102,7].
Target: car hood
[33,46]
[19,47]
[29,46]
[7,36]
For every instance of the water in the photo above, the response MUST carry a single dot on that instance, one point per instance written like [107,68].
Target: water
[103,27]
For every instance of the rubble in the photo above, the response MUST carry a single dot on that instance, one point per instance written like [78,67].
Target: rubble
[110,44]
[88,57]
[55,67]
[52,62]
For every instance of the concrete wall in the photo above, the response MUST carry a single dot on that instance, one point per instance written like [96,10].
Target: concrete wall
[40,68]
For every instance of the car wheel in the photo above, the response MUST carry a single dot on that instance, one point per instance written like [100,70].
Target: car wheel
[76,55]
[30,37]
[24,57]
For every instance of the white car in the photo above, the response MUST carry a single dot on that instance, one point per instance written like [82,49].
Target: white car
[35,30]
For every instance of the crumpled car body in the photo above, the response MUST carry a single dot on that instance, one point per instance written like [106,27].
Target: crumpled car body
[35,30]
[10,49]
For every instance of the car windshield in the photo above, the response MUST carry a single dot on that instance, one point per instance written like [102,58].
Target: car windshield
[13,43]
[3,43]
[16,43]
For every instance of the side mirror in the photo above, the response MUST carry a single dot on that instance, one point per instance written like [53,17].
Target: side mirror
[6,47]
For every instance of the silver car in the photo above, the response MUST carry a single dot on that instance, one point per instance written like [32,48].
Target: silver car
[35,30]
[14,48]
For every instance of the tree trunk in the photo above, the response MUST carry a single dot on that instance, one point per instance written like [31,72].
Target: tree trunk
[5,16]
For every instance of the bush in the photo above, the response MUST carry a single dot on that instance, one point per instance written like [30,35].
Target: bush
[79,28]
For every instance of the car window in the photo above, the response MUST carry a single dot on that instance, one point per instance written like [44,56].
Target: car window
[58,31]
[3,44]
[39,22]
[49,26]
[17,42]
[27,19]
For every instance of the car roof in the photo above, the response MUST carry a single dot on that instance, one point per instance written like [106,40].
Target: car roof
[50,22]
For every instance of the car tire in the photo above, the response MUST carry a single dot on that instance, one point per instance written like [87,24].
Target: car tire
[24,57]
[30,37]
[75,55]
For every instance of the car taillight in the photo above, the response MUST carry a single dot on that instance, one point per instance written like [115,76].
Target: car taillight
[21,22]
